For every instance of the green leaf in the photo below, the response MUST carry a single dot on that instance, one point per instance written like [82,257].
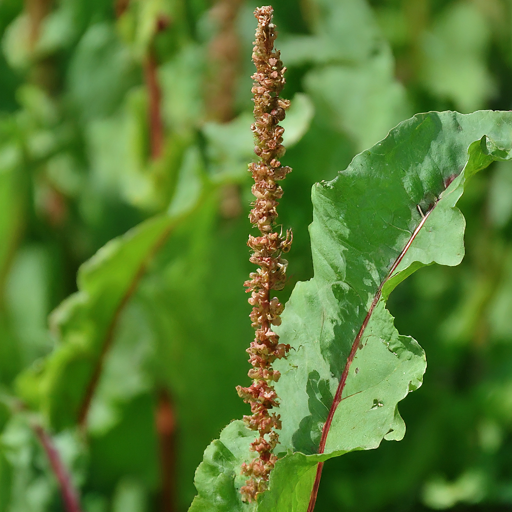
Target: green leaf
[11,197]
[500,206]
[353,73]
[230,146]
[85,324]
[367,87]
[454,62]
[344,31]
[182,81]
[298,119]
[129,497]
[100,73]
[389,213]
[28,293]
[85,321]
[27,480]
[12,225]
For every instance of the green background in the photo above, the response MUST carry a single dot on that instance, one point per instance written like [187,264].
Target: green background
[80,164]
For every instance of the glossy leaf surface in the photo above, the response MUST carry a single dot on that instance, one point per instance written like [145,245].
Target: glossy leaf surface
[391,212]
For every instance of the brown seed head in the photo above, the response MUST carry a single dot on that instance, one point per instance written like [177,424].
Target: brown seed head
[267,248]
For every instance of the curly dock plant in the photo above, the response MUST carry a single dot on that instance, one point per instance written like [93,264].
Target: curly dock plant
[267,248]
[391,212]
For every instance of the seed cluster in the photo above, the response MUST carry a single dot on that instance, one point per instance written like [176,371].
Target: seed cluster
[267,248]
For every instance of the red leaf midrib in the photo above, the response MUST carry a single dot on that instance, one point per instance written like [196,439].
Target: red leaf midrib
[350,359]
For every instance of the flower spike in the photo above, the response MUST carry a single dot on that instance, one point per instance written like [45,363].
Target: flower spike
[269,110]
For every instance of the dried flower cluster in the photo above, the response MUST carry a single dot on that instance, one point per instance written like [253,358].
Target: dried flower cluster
[267,248]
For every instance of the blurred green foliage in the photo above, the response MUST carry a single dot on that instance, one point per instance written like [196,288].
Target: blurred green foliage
[135,114]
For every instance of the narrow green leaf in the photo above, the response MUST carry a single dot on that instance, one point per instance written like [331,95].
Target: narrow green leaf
[85,324]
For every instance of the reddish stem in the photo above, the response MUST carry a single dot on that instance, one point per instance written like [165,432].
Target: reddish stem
[156,125]
[166,429]
[68,492]
[350,359]
[121,6]
[36,10]
[157,139]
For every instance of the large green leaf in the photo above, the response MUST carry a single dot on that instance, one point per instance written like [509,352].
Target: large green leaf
[391,212]
[85,324]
